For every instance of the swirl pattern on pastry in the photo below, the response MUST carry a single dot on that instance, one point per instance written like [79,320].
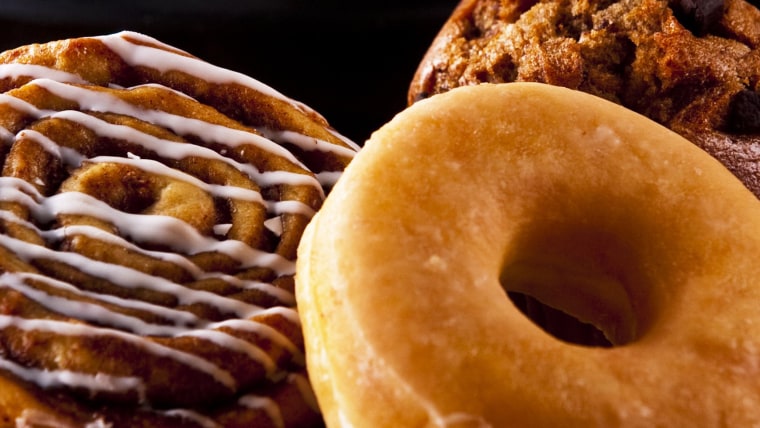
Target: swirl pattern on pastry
[151,205]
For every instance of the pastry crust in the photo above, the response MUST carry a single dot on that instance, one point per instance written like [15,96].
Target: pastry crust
[589,206]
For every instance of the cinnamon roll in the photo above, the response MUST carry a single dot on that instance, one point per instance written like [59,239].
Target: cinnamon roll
[151,205]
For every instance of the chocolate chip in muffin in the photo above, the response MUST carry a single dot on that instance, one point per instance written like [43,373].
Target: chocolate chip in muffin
[744,112]
[698,16]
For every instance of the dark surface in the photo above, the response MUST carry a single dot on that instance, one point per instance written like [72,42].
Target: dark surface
[351,61]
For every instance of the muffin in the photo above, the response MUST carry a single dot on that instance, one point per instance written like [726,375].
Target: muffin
[691,66]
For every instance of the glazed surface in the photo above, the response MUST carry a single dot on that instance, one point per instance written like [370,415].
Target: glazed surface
[572,199]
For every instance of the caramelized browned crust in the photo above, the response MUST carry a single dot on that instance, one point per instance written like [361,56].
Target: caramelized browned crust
[700,78]
[151,205]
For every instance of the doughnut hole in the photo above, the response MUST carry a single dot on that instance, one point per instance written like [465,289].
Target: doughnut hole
[571,280]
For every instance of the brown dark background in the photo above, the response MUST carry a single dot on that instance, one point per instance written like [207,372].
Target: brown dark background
[351,61]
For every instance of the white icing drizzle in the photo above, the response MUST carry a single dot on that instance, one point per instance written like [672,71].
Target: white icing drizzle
[304,387]
[328,178]
[129,278]
[192,415]
[93,312]
[14,183]
[291,207]
[158,229]
[222,229]
[156,86]
[24,107]
[173,150]
[165,148]
[87,311]
[70,329]
[233,343]
[6,136]
[274,224]
[22,191]
[345,139]
[67,155]
[264,330]
[105,102]
[34,71]
[103,236]
[288,313]
[167,60]
[266,404]
[17,281]
[157,168]
[99,423]
[55,378]
[284,296]
[304,142]
[325,178]
[165,229]
[58,234]
[23,194]
[38,418]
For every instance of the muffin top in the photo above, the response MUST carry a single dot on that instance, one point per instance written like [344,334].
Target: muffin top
[692,66]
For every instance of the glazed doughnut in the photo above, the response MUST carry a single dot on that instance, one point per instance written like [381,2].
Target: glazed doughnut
[576,201]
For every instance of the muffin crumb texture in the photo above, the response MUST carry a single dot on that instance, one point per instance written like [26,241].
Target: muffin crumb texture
[692,66]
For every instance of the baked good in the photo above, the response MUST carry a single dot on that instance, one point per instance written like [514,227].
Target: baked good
[151,205]
[693,66]
[597,210]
